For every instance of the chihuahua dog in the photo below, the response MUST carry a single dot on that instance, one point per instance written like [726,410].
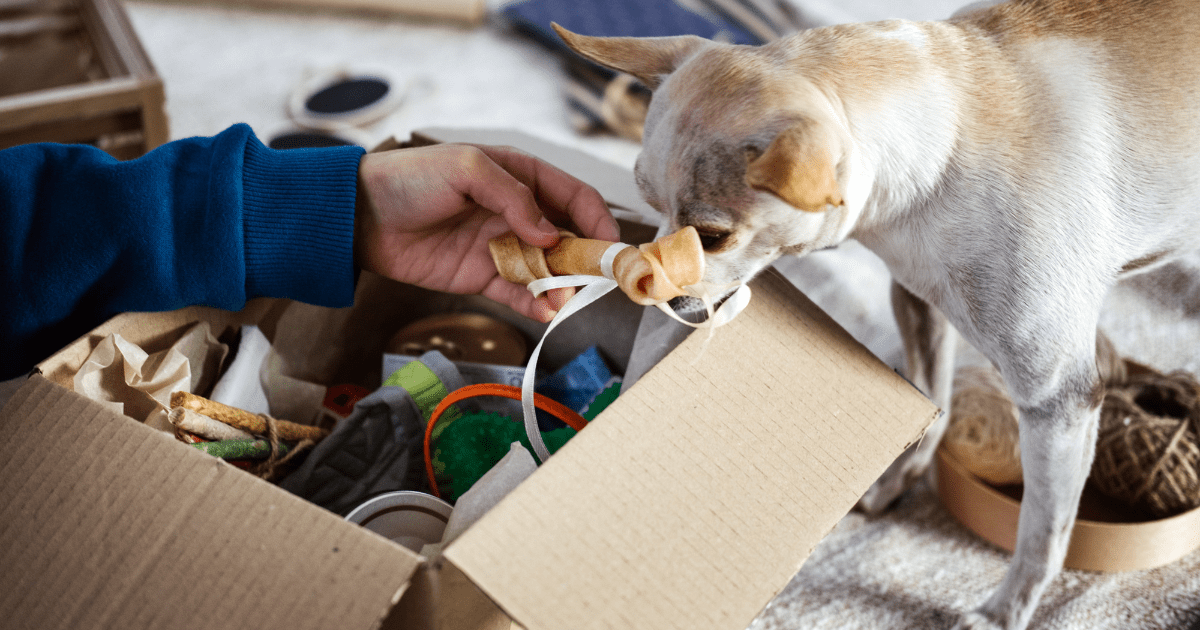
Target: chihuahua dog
[1009,165]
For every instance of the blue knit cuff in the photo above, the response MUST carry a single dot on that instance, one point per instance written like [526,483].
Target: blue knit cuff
[298,221]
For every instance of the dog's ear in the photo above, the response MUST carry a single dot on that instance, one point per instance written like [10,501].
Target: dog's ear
[650,59]
[800,167]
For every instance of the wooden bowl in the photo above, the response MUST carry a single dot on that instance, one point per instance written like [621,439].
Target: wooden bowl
[1106,537]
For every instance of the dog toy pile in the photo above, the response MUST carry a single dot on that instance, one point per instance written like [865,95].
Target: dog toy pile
[257,443]
[1148,451]
[650,274]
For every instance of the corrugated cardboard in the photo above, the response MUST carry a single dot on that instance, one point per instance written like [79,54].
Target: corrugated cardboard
[689,503]
[704,487]
[108,523]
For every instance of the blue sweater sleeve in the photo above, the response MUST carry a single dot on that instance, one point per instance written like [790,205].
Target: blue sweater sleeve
[202,221]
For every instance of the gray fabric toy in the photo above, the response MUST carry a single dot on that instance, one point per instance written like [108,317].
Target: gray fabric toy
[378,448]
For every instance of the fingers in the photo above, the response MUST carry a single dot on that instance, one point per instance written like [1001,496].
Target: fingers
[516,194]
[520,300]
[557,298]
[493,187]
[517,297]
[425,219]
[556,190]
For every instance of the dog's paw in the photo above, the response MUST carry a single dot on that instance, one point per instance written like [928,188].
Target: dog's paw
[894,481]
[881,495]
[976,621]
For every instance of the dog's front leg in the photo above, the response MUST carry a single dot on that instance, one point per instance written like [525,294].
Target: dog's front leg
[1058,438]
[929,343]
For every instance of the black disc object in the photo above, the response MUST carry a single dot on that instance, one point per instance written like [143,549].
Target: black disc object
[306,140]
[347,96]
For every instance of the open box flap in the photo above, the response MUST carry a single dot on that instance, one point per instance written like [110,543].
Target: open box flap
[697,495]
[108,523]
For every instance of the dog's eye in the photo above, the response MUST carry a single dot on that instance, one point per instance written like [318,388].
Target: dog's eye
[712,239]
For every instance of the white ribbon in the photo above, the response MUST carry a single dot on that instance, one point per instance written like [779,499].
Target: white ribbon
[723,315]
[592,289]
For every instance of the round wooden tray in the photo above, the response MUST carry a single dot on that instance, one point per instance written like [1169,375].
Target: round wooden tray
[463,337]
[1115,541]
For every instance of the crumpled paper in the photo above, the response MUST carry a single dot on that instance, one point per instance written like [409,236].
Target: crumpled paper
[128,380]
[289,397]
[258,381]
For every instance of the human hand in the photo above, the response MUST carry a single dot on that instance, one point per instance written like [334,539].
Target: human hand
[425,216]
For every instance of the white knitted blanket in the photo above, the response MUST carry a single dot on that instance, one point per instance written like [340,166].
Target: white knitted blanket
[916,567]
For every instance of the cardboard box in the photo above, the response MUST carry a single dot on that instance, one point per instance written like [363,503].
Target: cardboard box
[689,503]
[76,73]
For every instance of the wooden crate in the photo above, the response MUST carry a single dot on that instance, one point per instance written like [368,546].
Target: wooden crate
[73,71]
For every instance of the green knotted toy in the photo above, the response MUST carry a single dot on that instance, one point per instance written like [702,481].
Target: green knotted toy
[464,446]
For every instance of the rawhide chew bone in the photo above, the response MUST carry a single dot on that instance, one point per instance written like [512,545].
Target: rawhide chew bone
[649,274]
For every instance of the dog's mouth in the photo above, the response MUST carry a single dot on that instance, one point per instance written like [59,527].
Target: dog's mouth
[705,298]
[687,305]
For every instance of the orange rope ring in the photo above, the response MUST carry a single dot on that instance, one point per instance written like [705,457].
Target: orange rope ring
[553,407]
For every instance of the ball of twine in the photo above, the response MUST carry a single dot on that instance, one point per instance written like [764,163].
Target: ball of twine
[982,434]
[1148,451]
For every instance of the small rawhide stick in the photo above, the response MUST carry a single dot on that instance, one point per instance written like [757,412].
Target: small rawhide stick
[650,274]
[205,427]
[244,420]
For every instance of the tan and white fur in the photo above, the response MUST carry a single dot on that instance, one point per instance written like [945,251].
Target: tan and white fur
[1009,165]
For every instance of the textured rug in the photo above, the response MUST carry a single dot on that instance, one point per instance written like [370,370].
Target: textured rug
[916,567]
